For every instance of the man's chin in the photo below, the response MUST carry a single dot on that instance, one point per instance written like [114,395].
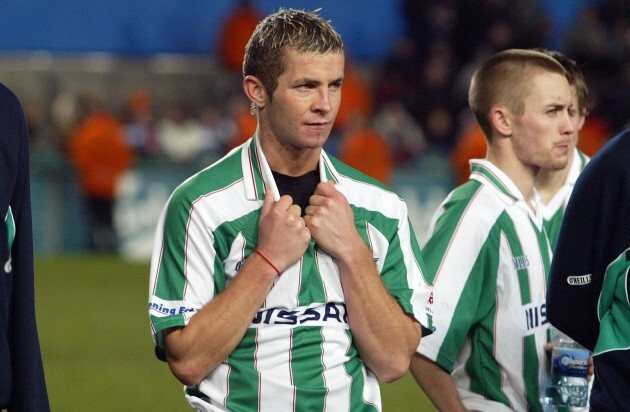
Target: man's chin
[559,164]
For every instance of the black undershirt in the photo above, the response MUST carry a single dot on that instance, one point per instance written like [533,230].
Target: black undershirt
[300,188]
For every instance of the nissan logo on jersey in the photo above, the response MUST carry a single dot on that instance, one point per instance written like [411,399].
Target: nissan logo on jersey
[535,316]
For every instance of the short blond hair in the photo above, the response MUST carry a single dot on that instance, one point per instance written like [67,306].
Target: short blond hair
[504,79]
[299,30]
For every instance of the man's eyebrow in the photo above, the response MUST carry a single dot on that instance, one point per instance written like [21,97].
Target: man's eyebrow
[557,106]
[314,81]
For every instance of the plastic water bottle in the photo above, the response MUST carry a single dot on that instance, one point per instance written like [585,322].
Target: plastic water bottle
[568,382]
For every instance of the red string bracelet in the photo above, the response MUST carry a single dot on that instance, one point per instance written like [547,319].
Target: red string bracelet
[267,260]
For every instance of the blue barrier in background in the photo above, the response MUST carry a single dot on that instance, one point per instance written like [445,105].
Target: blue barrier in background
[147,27]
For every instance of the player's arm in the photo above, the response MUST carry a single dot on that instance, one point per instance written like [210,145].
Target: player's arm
[578,256]
[457,273]
[385,336]
[195,350]
[436,383]
[29,391]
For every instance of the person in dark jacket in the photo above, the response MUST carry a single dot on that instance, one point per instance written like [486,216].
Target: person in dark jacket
[587,296]
[22,382]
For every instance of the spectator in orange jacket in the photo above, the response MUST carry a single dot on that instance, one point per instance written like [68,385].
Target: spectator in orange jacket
[100,154]
[358,98]
[235,32]
[471,144]
[365,149]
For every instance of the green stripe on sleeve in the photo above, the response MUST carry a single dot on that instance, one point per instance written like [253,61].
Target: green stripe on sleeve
[171,276]
[445,227]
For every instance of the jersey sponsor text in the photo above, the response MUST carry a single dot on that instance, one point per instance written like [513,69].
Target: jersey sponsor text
[161,308]
[535,316]
[314,315]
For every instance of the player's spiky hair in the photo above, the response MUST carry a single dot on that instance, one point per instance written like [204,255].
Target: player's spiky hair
[286,29]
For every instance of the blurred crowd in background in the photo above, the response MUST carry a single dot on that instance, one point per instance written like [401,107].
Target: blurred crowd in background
[393,113]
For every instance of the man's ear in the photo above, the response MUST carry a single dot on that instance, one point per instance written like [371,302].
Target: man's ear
[499,117]
[255,91]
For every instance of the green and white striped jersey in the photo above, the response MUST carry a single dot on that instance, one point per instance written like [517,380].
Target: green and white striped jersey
[491,258]
[553,211]
[298,353]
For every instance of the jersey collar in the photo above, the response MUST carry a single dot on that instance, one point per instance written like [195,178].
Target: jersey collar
[487,173]
[561,197]
[257,173]
[577,165]
[490,175]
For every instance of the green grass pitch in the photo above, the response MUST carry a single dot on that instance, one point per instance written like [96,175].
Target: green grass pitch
[96,342]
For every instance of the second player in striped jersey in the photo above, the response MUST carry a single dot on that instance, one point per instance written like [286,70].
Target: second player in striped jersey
[487,247]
